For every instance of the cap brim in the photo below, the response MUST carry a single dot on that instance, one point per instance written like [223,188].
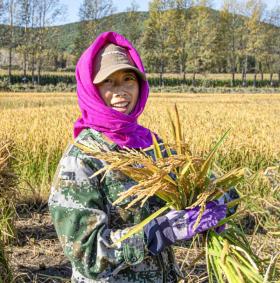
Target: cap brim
[105,73]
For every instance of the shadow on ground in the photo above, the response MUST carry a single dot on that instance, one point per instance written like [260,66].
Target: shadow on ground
[36,254]
[56,273]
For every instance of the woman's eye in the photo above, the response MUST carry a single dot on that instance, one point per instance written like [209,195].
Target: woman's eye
[107,81]
[129,78]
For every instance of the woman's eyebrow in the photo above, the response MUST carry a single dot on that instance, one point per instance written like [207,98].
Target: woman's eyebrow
[130,72]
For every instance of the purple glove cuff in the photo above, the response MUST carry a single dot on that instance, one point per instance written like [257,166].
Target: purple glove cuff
[159,234]
[179,225]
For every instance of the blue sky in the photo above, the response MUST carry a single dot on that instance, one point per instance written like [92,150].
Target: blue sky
[71,15]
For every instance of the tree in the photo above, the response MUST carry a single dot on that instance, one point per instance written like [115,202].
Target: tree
[154,41]
[34,18]
[230,26]
[202,38]
[10,7]
[256,33]
[33,36]
[90,13]
[1,8]
[178,36]
[267,57]
[131,26]
[24,21]
[273,42]
[1,21]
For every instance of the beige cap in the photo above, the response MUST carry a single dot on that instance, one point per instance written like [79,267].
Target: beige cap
[110,59]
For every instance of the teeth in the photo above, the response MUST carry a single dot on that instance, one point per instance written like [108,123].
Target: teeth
[123,104]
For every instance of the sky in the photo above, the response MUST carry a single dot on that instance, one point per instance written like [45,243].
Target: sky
[72,7]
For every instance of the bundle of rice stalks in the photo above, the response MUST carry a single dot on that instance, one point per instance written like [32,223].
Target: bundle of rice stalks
[229,256]
[185,181]
[6,212]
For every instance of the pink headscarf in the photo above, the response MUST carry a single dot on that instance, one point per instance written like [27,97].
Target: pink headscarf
[121,128]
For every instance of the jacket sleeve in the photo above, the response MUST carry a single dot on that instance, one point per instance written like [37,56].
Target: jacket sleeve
[79,213]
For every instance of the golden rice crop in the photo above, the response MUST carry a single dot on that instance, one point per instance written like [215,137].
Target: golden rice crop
[40,126]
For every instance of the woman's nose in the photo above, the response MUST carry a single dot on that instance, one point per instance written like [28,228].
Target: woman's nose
[119,91]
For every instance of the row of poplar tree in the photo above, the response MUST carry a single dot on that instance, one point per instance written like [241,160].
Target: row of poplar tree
[25,32]
[178,36]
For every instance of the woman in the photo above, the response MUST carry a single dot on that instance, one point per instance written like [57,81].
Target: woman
[112,92]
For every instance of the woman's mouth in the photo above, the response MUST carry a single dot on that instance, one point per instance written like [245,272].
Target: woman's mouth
[120,106]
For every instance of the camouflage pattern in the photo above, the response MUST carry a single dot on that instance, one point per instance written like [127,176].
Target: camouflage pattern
[87,223]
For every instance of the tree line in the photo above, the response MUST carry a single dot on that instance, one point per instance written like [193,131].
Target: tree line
[25,33]
[175,36]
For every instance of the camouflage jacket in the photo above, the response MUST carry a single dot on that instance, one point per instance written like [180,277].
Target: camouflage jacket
[87,223]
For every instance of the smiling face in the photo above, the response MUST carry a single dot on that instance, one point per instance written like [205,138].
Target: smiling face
[120,91]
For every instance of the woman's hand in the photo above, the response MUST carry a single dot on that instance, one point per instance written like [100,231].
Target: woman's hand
[179,225]
[183,221]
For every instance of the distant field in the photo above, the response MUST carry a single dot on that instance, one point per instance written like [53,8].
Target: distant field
[208,76]
[17,72]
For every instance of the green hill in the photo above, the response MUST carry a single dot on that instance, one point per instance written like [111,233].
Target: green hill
[66,34]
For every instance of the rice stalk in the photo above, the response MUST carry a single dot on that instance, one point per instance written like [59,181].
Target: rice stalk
[230,259]
[270,272]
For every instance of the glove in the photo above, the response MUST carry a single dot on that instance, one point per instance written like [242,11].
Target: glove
[176,225]
[229,196]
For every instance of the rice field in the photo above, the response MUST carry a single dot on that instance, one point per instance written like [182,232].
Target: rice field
[39,125]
